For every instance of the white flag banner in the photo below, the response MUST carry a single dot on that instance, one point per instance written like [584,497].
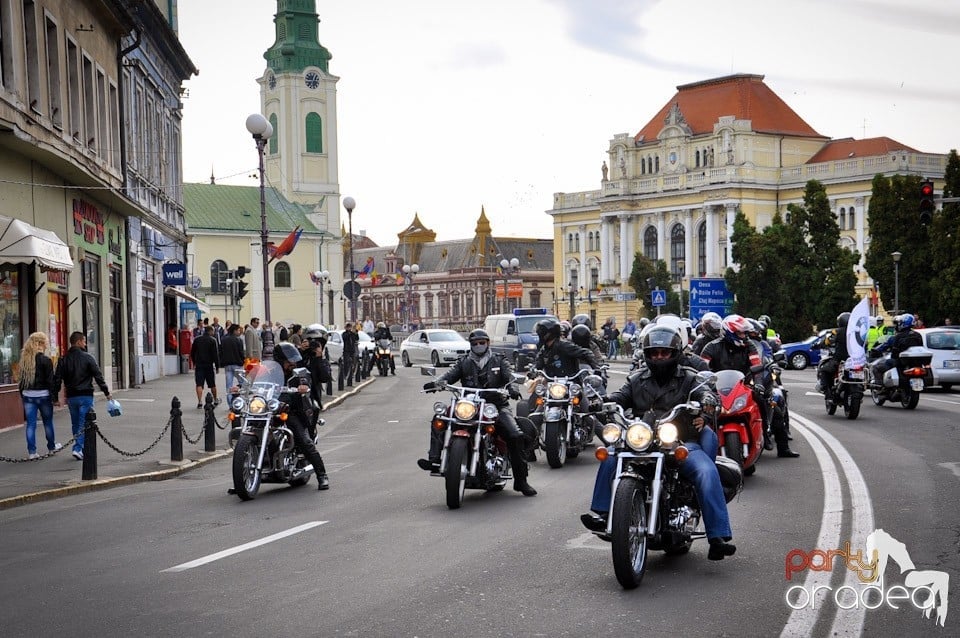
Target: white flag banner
[857,329]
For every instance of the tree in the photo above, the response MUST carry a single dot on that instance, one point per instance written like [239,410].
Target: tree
[945,250]
[645,276]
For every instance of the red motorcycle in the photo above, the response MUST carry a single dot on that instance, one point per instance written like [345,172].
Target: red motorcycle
[739,423]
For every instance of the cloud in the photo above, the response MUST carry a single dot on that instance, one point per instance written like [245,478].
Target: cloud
[932,18]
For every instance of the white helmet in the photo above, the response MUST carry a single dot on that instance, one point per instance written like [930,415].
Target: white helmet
[315,331]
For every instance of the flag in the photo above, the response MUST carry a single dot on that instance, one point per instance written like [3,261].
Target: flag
[286,246]
[374,278]
[856,335]
[367,267]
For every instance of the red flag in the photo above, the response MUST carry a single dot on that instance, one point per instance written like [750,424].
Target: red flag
[286,246]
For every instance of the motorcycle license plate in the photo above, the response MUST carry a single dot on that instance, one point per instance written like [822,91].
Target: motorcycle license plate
[856,374]
[916,385]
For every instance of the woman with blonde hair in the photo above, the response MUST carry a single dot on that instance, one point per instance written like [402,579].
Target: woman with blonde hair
[36,386]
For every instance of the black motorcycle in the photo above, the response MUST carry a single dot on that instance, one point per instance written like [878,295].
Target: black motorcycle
[847,390]
[564,406]
[382,355]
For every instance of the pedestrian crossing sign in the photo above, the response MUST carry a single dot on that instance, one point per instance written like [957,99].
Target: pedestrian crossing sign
[658,297]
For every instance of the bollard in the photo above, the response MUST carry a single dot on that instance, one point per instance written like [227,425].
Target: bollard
[349,363]
[361,366]
[340,376]
[89,471]
[176,431]
[209,425]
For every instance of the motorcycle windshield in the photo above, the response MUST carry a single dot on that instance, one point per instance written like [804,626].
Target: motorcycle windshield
[727,380]
[266,379]
[384,343]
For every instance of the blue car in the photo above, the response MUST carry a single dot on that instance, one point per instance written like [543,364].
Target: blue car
[800,354]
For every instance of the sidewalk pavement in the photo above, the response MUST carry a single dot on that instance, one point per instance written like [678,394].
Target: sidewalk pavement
[146,412]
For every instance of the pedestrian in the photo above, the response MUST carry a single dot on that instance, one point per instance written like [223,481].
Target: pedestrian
[171,344]
[350,349]
[268,340]
[231,357]
[295,337]
[77,371]
[369,327]
[251,340]
[205,355]
[218,330]
[36,385]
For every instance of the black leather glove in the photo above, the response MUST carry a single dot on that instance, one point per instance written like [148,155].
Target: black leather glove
[430,386]
[759,389]
[514,392]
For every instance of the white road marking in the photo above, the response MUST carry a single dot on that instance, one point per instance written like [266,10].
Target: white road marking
[943,401]
[393,421]
[953,467]
[125,400]
[242,548]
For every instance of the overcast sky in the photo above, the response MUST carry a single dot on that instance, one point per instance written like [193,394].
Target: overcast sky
[445,106]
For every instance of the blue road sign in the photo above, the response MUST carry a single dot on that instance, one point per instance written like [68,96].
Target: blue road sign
[658,297]
[709,295]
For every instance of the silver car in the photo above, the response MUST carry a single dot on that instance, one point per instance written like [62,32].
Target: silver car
[435,346]
[335,345]
[944,343]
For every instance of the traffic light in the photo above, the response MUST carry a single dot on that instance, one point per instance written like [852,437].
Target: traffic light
[241,271]
[926,202]
[241,285]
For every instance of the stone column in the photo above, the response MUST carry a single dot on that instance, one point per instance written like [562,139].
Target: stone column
[626,251]
[689,259]
[860,230]
[731,214]
[605,254]
[662,238]
[710,219]
[582,276]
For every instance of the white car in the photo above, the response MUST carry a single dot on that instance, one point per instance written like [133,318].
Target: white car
[335,345]
[434,346]
[944,343]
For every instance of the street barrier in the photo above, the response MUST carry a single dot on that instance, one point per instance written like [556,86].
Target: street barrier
[89,471]
[176,435]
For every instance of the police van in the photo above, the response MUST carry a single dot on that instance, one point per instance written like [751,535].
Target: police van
[514,335]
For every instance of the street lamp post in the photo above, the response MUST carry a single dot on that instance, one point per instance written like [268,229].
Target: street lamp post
[260,128]
[350,203]
[896,281]
[573,300]
[321,277]
[681,269]
[409,272]
[514,267]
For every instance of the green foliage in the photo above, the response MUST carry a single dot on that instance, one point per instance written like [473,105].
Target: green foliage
[945,250]
[645,268]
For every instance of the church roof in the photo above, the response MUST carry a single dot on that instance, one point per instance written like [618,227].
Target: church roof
[743,96]
[225,207]
[848,147]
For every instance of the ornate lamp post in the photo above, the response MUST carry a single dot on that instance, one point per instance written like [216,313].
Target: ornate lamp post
[896,281]
[681,265]
[350,203]
[409,272]
[511,267]
[260,128]
[321,277]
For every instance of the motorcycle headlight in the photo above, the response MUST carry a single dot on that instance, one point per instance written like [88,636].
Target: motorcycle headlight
[540,390]
[258,405]
[611,433]
[739,404]
[574,390]
[639,436]
[439,407]
[557,390]
[238,404]
[273,405]
[490,411]
[668,433]
[465,410]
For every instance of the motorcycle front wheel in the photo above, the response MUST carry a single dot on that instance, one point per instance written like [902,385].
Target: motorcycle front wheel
[733,447]
[555,443]
[909,399]
[629,532]
[246,476]
[830,402]
[456,474]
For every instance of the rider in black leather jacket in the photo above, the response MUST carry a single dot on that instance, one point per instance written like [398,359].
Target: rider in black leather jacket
[298,416]
[383,332]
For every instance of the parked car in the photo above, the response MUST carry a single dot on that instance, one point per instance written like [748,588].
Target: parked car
[944,343]
[434,346]
[335,345]
[800,354]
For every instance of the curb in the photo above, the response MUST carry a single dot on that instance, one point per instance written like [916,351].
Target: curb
[160,475]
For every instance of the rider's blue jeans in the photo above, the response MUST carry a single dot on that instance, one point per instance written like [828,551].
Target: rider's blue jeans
[699,469]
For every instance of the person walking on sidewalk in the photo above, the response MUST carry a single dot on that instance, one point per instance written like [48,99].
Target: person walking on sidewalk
[251,340]
[205,355]
[231,356]
[76,372]
[36,385]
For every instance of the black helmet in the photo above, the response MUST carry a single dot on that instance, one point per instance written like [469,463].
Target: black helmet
[548,327]
[764,319]
[582,319]
[843,319]
[565,328]
[478,335]
[657,338]
[580,335]
[286,351]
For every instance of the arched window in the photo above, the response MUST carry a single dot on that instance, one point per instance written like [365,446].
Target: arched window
[570,242]
[656,164]
[281,275]
[852,219]
[218,273]
[697,156]
[428,303]
[272,150]
[535,299]
[454,305]
[590,240]
[576,240]
[650,243]
[842,222]
[677,239]
[702,249]
[314,128]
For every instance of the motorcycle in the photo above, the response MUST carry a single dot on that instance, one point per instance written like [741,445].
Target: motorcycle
[382,356]
[564,407]
[739,423]
[473,455]
[264,451]
[914,365]
[654,508]
[847,390]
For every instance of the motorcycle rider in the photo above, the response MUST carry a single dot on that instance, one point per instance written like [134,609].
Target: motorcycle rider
[709,330]
[905,337]
[557,357]
[835,342]
[734,350]
[288,356]
[687,357]
[658,386]
[581,336]
[383,332]
[483,368]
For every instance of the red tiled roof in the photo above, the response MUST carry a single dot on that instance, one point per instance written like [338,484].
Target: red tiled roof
[743,96]
[849,147]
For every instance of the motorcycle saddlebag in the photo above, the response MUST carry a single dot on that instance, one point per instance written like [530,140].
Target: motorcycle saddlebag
[731,477]
[915,356]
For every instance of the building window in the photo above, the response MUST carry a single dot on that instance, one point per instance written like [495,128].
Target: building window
[842,222]
[852,219]
[30,36]
[89,137]
[281,275]
[677,238]
[272,149]
[455,305]
[218,276]
[53,73]
[428,302]
[10,321]
[102,143]
[702,249]
[650,243]
[115,128]
[576,240]
[314,130]
[90,284]
[535,299]
[594,278]
[574,278]
[570,242]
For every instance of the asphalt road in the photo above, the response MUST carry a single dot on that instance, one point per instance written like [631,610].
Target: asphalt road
[379,554]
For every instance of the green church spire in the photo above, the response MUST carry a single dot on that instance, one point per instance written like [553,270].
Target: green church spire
[297,45]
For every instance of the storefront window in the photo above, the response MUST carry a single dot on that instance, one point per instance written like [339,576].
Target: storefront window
[90,271]
[149,329]
[10,318]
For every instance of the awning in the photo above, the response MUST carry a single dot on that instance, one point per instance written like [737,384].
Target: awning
[186,296]
[21,243]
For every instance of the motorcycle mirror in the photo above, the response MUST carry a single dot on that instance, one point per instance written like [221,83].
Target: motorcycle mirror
[779,356]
